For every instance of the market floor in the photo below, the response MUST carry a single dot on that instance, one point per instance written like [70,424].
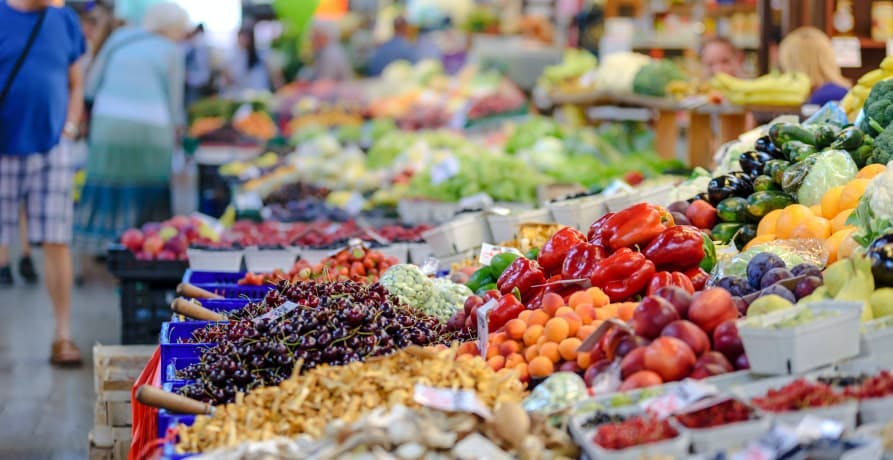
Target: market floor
[46,413]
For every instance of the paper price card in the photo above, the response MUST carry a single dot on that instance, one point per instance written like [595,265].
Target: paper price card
[488,251]
[450,400]
[686,394]
[277,312]
[483,325]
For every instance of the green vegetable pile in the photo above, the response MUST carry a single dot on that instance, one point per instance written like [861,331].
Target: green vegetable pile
[652,79]
[878,108]
[439,297]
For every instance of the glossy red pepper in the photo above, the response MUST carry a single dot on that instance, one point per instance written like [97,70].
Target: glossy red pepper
[598,231]
[677,248]
[637,225]
[522,274]
[556,248]
[623,275]
[471,318]
[581,260]
[661,279]
[507,308]
[698,278]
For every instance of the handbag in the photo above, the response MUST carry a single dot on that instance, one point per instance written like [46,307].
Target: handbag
[21,60]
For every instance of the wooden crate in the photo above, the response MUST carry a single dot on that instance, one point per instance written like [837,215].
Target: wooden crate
[115,369]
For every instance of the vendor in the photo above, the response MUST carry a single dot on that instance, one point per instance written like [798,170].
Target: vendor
[330,60]
[808,50]
[396,49]
[719,55]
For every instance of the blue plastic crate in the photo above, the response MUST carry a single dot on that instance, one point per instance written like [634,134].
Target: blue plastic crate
[235,291]
[216,305]
[200,277]
[167,419]
[176,356]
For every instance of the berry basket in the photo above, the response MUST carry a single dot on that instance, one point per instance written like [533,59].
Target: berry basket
[174,354]
[843,413]
[167,419]
[124,265]
[726,437]
[796,349]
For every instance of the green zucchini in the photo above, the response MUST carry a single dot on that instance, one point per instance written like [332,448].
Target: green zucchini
[725,231]
[761,203]
[732,209]
[765,183]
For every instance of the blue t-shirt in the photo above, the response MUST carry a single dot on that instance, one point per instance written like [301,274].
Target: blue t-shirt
[33,114]
[827,93]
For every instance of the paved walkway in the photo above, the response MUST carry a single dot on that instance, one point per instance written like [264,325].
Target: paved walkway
[46,413]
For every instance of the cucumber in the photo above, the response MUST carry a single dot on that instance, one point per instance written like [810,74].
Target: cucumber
[765,183]
[744,235]
[824,136]
[725,231]
[775,169]
[782,133]
[795,151]
[732,209]
[761,203]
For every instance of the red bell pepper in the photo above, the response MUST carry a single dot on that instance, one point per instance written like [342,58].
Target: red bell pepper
[637,225]
[598,231]
[698,278]
[522,274]
[581,261]
[623,275]
[556,248]
[677,248]
[507,308]
[661,279]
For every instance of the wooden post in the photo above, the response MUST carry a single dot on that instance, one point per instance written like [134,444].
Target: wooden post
[731,125]
[666,134]
[764,10]
[700,139]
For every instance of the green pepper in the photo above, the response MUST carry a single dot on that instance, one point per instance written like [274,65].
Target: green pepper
[775,169]
[482,276]
[500,261]
[486,288]
[725,231]
[782,133]
[861,154]
[796,151]
[709,260]
[851,138]
[533,253]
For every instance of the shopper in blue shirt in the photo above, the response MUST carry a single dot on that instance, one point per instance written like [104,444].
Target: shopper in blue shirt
[396,49]
[40,104]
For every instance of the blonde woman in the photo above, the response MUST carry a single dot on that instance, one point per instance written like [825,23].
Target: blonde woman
[808,50]
[136,85]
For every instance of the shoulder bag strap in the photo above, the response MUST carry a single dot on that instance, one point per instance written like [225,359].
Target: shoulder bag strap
[21,59]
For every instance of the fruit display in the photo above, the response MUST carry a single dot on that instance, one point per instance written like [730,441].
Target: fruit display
[170,239]
[633,432]
[352,325]
[764,276]
[724,413]
[654,78]
[566,76]
[317,234]
[797,395]
[345,392]
[772,89]
[257,125]
[854,100]
[437,297]
[356,264]
[877,386]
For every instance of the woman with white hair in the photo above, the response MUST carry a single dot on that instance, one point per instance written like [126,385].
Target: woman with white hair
[136,85]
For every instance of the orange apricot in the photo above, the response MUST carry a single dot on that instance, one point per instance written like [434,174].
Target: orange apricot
[586,313]
[508,347]
[538,317]
[580,297]
[532,334]
[568,348]
[552,302]
[515,328]
[496,363]
[599,298]
[550,350]
[556,330]
[540,367]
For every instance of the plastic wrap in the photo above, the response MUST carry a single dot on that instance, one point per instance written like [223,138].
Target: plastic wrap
[831,168]
[830,113]
[557,393]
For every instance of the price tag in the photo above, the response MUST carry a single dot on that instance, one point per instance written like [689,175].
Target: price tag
[776,443]
[847,51]
[277,312]
[450,400]
[248,200]
[242,112]
[686,394]
[444,169]
[429,268]
[488,251]
[483,325]
[812,428]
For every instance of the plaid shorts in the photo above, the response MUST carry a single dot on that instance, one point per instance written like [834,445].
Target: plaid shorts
[43,184]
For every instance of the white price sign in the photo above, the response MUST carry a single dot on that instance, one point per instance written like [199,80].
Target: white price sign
[450,400]
[847,51]
[483,326]
[488,251]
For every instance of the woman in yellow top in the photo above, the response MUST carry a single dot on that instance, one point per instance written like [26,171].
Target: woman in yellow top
[808,50]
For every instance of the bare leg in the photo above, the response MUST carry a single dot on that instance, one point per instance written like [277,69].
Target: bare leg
[23,233]
[58,282]
[4,255]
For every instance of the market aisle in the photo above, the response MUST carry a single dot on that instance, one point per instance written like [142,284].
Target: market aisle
[46,413]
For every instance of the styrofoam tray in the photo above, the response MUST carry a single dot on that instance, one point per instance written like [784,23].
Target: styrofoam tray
[877,342]
[876,410]
[659,195]
[798,349]
[505,228]
[844,413]
[266,260]
[731,436]
[216,261]
[447,262]
[578,213]
[398,250]
[466,232]
[314,256]
[672,448]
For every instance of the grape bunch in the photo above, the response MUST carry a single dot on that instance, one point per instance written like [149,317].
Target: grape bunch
[334,323]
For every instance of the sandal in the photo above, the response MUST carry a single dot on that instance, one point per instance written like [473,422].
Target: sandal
[65,353]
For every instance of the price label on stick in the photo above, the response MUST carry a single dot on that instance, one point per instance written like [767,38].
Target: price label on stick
[484,325]
[686,394]
[450,400]
[489,251]
[277,312]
